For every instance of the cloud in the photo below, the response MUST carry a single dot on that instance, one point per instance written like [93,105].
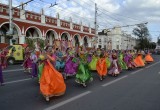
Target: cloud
[110,12]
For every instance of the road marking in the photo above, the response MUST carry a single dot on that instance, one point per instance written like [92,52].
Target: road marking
[136,71]
[11,82]
[109,83]
[152,65]
[67,101]
[12,70]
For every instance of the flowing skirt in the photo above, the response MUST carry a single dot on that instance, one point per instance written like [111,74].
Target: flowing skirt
[70,67]
[89,59]
[51,81]
[115,69]
[34,70]
[131,64]
[83,75]
[93,63]
[108,62]
[139,61]
[122,64]
[148,58]
[59,65]
[40,70]
[101,67]
[27,64]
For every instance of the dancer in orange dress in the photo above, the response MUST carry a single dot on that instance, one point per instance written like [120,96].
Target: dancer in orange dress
[51,81]
[148,58]
[139,61]
[101,67]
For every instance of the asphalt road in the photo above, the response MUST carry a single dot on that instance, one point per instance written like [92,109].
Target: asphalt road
[138,89]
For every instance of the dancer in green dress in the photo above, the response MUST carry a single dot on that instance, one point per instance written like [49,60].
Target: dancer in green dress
[121,62]
[92,64]
[108,62]
[83,74]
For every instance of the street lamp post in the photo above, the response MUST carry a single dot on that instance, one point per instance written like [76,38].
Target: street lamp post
[10,32]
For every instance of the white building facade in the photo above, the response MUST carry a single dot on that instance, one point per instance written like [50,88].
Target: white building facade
[115,39]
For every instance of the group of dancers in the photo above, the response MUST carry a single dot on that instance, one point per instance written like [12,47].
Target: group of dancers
[52,66]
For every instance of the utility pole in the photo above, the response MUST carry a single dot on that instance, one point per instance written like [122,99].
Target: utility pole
[10,32]
[96,37]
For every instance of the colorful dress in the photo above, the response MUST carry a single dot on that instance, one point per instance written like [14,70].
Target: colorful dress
[139,61]
[28,62]
[40,70]
[121,62]
[93,63]
[108,61]
[114,68]
[89,58]
[83,74]
[101,67]
[34,65]
[71,66]
[59,62]
[51,81]
[148,58]
[131,63]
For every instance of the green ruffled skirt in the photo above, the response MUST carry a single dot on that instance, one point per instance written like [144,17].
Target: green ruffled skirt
[93,63]
[83,75]
[122,64]
[40,70]
[108,62]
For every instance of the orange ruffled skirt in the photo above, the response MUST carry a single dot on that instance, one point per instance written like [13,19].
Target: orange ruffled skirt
[101,67]
[139,61]
[51,82]
[148,58]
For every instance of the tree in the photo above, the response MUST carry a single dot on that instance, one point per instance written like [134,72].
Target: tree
[30,43]
[152,45]
[144,38]
[41,43]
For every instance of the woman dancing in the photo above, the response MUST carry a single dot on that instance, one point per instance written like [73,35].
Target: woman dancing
[51,81]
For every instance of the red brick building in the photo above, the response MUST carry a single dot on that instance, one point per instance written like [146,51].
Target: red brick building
[37,25]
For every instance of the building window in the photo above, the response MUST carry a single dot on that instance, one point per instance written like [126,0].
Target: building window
[99,40]
[99,46]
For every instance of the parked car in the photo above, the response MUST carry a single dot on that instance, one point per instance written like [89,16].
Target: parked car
[16,54]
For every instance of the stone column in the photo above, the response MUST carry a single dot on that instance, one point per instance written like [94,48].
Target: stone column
[22,12]
[22,39]
[58,20]
[71,24]
[43,17]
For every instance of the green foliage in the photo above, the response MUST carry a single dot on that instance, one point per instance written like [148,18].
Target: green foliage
[30,43]
[152,45]
[41,43]
[142,32]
